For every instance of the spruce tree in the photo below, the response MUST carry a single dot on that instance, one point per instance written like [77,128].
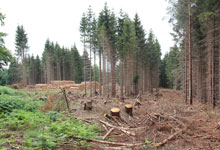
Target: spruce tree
[21,45]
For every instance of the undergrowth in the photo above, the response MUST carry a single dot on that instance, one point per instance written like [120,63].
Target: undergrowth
[20,117]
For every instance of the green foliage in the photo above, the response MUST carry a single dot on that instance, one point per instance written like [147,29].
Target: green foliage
[172,63]
[3,77]
[74,127]
[11,99]
[5,55]
[19,114]
[10,91]
[149,145]
[10,103]
[14,72]
[21,42]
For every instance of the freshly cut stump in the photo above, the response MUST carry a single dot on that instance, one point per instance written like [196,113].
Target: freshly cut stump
[128,109]
[88,105]
[115,112]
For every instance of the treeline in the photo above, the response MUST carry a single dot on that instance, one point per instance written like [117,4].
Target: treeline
[127,56]
[56,64]
[196,27]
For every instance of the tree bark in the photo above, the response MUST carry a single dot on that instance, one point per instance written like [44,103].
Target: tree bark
[104,72]
[185,76]
[113,73]
[100,73]
[94,72]
[121,79]
[90,68]
[84,64]
[190,56]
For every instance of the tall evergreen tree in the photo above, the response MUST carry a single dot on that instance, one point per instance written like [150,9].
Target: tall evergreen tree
[21,45]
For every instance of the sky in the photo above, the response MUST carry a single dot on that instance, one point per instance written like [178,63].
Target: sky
[59,20]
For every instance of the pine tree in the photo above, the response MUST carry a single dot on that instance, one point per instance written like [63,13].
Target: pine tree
[83,26]
[107,19]
[21,43]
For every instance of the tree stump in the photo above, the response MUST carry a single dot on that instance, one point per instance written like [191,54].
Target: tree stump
[88,105]
[115,112]
[128,109]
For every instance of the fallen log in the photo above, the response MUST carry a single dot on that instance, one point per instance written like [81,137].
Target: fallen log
[108,142]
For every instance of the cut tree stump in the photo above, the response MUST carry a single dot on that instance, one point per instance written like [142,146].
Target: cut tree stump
[128,109]
[88,105]
[115,112]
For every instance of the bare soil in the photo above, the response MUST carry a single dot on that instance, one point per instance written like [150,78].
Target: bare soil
[158,117]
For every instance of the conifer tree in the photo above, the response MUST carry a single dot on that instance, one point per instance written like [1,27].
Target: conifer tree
[21,45]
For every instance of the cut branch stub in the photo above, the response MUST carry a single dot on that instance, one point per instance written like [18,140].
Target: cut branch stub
[115,112]
[128,109]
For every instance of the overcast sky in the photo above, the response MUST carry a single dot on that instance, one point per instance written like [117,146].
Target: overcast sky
[59,20]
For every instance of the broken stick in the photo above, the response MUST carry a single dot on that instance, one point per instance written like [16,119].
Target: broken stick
[108,133]
[65,97]
[119,128]
[108,142]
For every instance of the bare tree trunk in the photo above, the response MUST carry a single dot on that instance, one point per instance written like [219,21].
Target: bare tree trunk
[104,73]
[90,69]
[157,77]
[128,75]
[84,65]
[113,73]
[100,73]
[185,76]
[121,79]
[143,83]
[64,74]
[190,56]
[58,71]
[94,72]
[219,49]
[24,78]
[213,68]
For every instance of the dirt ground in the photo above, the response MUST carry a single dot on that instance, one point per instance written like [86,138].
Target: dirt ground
[161,121]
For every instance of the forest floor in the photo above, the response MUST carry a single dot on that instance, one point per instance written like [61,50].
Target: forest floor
[161,121]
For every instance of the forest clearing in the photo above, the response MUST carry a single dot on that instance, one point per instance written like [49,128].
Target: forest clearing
[122,89]
[161,120]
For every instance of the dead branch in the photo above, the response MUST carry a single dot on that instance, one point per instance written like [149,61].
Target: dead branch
[118,128]
[108,133]
[65,97]
[108,142]
[173,135]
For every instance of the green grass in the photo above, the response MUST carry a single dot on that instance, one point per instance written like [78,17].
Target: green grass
[19,115]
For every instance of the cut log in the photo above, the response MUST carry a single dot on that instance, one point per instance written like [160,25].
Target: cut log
[128,109]
[115,112]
